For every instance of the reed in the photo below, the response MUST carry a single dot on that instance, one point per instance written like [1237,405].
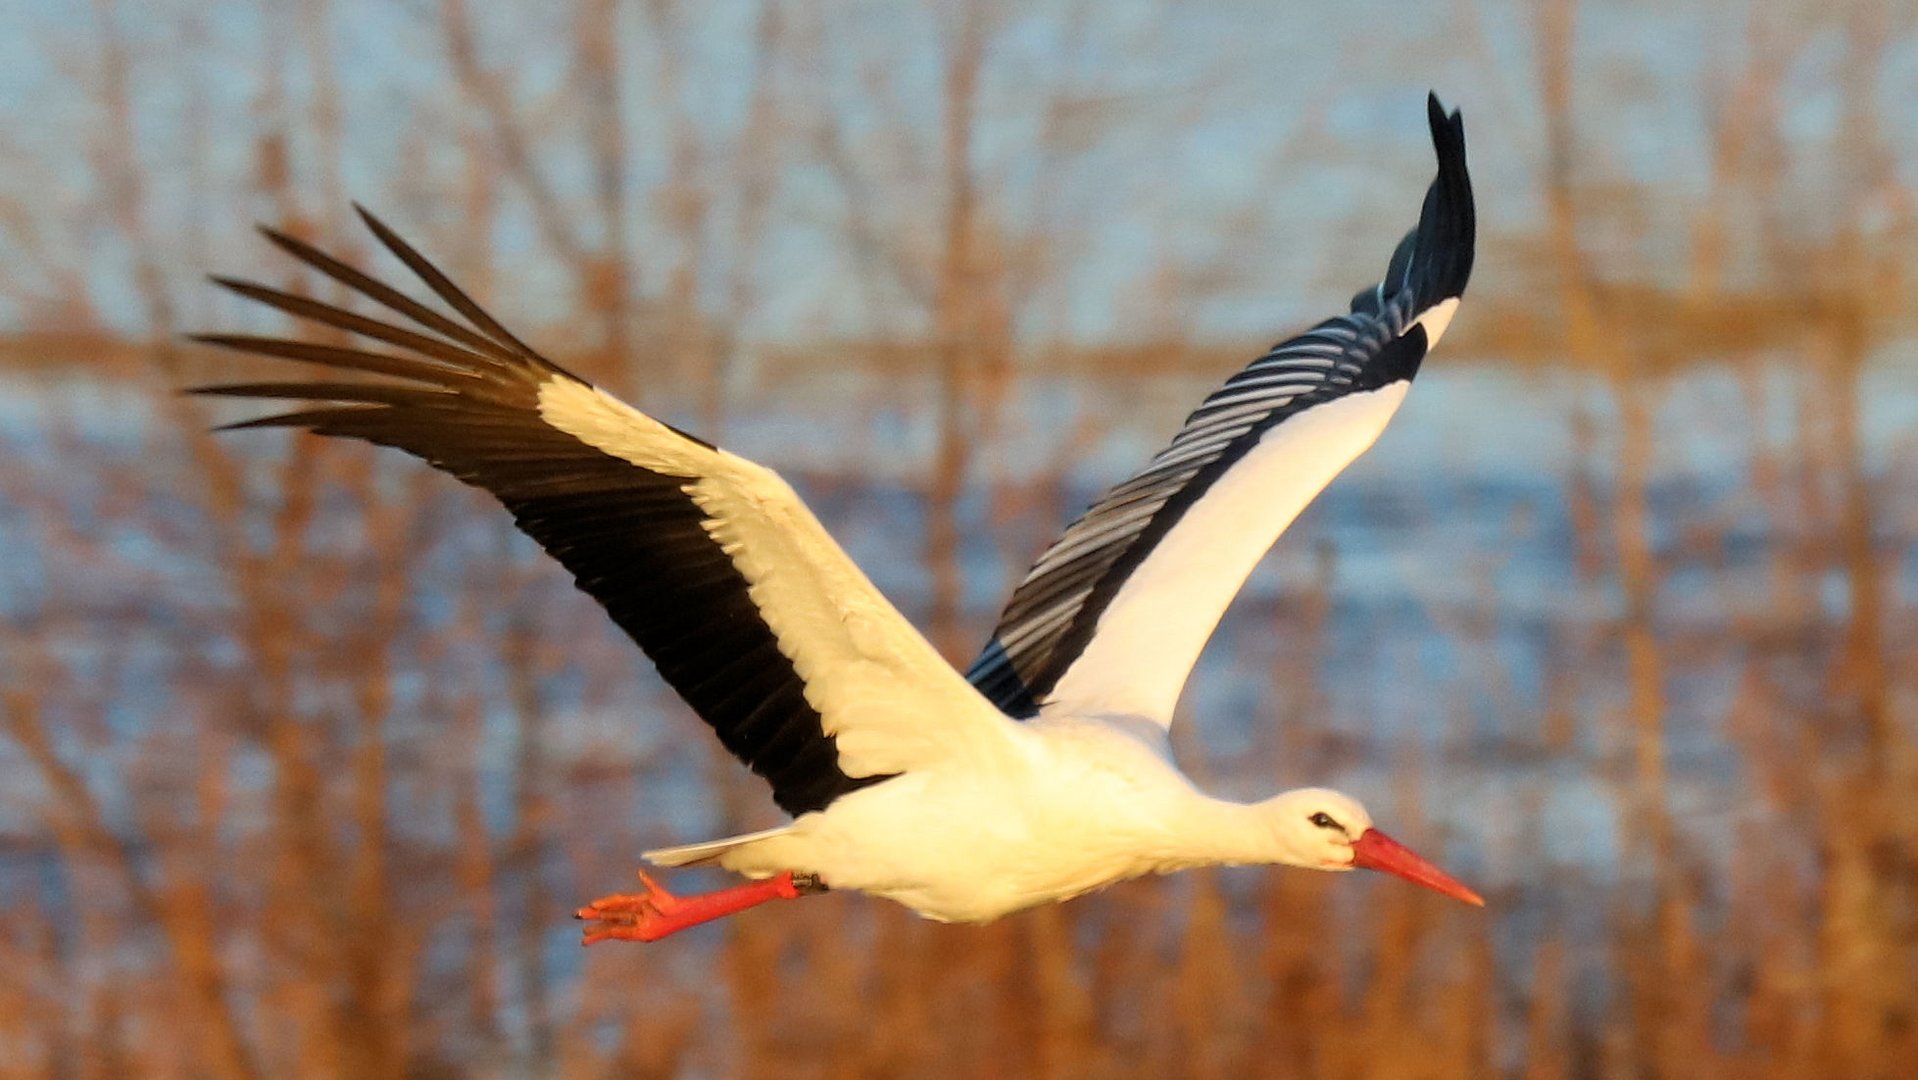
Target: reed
[305,756]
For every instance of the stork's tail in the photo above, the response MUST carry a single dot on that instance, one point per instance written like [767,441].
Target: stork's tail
[706,852]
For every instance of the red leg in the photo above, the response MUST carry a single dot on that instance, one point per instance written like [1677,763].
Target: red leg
[654,913]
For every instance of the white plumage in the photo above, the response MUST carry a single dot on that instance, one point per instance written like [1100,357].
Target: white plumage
[1042,773]
[1155,625]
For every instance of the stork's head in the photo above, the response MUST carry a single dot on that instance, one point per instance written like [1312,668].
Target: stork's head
[1329,830]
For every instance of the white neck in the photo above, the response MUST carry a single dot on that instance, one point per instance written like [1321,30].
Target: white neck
[1220,832]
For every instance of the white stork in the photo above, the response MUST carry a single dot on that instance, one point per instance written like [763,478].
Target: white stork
[1044,772]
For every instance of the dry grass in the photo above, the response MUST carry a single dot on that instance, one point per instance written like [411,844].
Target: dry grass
[304,756]
[333,827]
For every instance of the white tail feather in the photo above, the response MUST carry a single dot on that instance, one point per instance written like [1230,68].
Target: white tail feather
[706,851]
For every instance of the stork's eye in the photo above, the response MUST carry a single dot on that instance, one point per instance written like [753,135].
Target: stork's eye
[1324,821]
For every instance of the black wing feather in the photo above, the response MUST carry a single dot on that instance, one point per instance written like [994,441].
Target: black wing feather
[467,402]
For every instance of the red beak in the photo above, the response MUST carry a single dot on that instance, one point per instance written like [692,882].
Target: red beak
[1374,850]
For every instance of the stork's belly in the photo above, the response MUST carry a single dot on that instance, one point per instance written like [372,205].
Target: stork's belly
[911,841]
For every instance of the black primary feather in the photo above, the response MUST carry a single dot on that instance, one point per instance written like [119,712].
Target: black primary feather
[464,397]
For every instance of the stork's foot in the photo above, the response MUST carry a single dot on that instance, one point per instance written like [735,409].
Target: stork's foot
[655,913]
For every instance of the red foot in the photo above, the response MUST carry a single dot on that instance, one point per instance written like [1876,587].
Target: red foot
[655,913]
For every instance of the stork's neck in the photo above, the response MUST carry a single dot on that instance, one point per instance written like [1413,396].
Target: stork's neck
[1219,831]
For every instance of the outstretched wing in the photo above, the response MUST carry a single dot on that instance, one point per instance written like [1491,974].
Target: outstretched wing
[1113,616]
[710,562]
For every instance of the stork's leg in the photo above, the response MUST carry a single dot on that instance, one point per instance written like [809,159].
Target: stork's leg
[654,913]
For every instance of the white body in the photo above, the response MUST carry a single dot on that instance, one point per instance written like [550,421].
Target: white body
[1080,804]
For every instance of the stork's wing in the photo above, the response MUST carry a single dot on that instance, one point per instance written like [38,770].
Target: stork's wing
[710,562]
[1113,615]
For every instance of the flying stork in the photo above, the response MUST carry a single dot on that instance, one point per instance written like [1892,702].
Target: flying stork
[1043,772]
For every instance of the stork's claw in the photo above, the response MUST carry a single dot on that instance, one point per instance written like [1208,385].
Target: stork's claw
[655,913]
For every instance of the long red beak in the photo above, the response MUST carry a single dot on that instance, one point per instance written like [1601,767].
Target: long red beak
[1374,850]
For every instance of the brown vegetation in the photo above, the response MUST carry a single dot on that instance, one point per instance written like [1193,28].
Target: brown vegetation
[306,756]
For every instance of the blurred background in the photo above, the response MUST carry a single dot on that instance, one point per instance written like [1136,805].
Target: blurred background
[306,757]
